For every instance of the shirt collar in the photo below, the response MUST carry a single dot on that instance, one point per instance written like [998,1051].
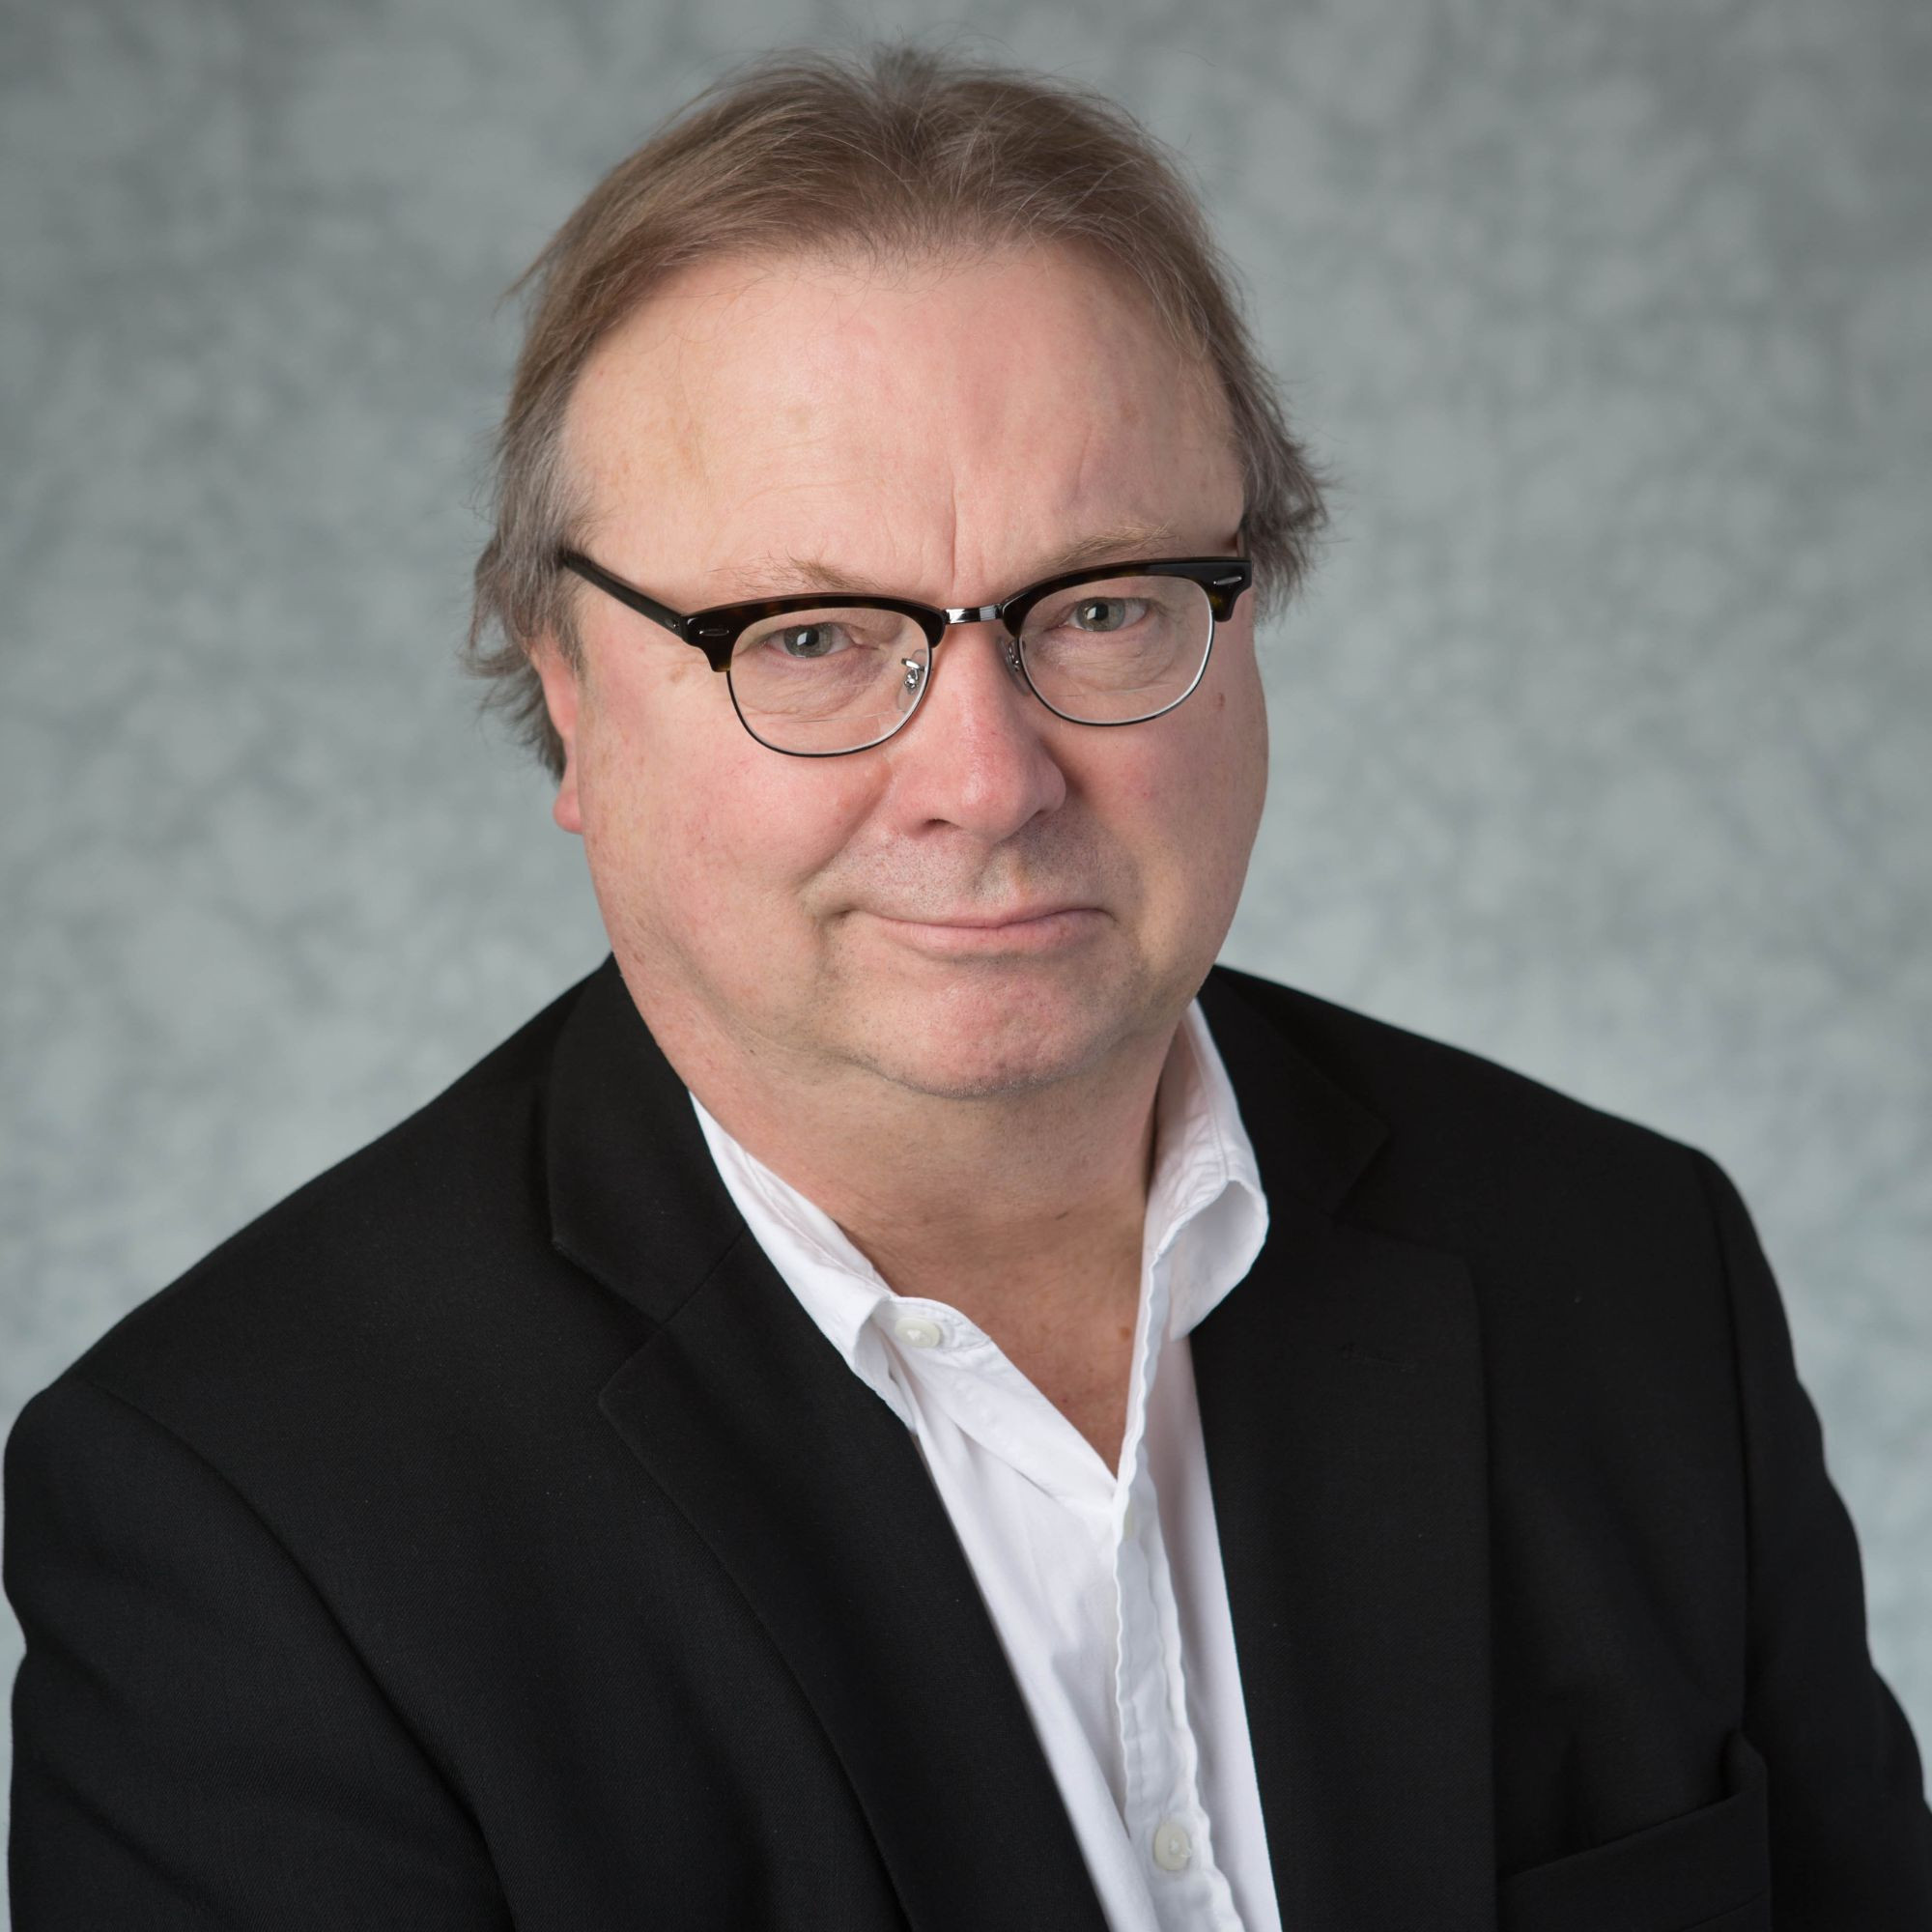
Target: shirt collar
[1207,1186]
[1206,1213]
[802,1241]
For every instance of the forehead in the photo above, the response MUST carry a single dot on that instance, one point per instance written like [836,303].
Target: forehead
[947,416]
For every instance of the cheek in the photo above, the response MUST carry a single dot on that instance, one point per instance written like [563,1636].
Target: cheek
[695,830]
[1205,778]
[1195,798]
[1234,728]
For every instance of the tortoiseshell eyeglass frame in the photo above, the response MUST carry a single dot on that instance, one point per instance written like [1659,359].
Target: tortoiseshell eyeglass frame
[715,630]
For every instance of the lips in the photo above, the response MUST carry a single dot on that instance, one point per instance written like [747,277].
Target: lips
[985,921]
[1011,930]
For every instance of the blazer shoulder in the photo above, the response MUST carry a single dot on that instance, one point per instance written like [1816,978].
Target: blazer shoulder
[1393,1068]
[1463,1128]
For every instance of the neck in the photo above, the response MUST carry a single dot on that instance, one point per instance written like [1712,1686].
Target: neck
[1020,1209]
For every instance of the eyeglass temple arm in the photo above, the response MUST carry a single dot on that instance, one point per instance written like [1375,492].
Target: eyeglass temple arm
[645,606]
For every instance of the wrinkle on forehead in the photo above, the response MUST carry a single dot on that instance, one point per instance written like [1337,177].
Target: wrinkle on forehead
[780,572]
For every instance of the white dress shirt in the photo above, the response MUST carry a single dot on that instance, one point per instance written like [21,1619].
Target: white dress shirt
[1107,1589]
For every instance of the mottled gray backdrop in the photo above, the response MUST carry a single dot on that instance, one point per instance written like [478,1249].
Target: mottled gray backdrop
[1603,739]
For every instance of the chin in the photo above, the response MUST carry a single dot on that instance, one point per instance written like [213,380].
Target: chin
[981,1041]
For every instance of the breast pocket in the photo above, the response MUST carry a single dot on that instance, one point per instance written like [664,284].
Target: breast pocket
[1706,1871]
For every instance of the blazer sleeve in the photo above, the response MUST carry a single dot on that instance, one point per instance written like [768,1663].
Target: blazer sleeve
[1850,1835]
[196,1743]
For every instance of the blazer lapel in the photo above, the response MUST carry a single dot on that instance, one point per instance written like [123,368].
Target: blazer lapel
[1342,1405]
[810,1494]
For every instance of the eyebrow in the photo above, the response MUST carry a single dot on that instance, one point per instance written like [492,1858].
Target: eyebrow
[778,573]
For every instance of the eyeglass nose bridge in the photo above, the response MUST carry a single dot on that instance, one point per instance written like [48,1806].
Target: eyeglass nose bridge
[919,676]
[974,616]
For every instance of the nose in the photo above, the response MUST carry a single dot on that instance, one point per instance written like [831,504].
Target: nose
[977,758]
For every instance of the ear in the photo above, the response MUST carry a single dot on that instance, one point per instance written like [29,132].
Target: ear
[562,691]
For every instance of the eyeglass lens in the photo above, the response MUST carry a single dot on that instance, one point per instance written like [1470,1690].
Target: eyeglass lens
[1108,651]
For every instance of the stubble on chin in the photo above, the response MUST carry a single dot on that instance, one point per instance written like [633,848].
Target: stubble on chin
[974,1030]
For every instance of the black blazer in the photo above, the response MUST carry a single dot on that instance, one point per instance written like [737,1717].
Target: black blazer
[485,1537]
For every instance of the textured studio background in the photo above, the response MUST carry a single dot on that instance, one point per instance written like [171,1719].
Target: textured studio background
[1604,737]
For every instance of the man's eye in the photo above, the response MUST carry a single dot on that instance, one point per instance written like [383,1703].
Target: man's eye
[812,640]
[1105,614]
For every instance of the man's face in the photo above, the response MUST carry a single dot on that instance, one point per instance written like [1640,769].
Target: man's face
[994,898]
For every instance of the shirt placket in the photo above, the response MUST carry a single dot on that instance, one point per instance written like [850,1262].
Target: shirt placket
[1164,1815]
[1117,1726]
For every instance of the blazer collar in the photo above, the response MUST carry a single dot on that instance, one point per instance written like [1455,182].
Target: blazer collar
[1341,1407]
[634,1196]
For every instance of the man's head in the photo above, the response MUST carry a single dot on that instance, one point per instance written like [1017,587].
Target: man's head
[935,328]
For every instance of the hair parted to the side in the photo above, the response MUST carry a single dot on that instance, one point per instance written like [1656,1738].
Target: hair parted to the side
[898,153]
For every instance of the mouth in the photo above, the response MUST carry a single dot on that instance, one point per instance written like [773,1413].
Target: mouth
[1031,929]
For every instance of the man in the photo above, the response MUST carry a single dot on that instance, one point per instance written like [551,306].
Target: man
[878,1408]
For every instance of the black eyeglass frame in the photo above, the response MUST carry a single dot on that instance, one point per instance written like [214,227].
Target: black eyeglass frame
[715,630]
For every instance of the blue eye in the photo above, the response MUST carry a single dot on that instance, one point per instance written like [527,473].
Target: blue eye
[809,641]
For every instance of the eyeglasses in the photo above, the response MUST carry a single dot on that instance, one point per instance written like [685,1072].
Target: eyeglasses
[819,675]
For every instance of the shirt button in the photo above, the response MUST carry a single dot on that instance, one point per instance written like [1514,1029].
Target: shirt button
[1171,1847]
[917,1332]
